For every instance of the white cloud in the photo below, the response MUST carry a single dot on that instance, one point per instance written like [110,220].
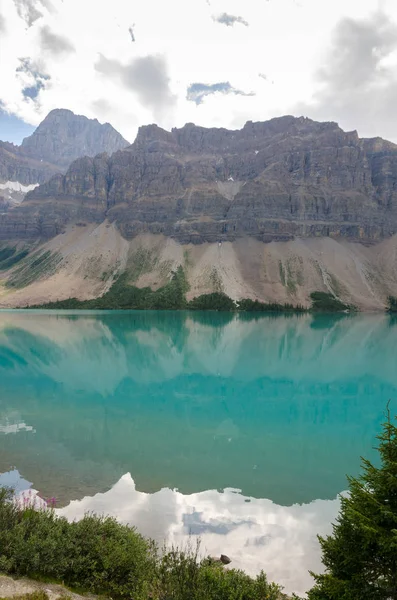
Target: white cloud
[144,76]
[230,20]
[358,77]
[285,39]
[53,43]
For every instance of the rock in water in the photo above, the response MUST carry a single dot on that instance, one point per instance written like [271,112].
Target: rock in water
[225,560]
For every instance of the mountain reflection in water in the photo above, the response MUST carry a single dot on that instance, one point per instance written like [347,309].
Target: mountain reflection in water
[281,408]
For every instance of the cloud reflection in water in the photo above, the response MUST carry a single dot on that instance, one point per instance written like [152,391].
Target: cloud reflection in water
[256,533]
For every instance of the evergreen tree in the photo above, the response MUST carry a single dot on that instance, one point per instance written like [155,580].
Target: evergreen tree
[392,304]
[361,555]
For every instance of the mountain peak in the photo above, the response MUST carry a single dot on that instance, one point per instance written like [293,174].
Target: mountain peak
[62,112]
[63,136]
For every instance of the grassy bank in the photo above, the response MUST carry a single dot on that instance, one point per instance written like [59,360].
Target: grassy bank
[101,556]
[39,595]
[172,296]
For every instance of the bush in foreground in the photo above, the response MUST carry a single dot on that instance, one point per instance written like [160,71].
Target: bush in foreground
[182,576]
[99,555]
[96,554]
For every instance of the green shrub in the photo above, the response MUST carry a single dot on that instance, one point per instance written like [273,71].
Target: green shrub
[323,302]
[6,253]
[248,305]
[178,574]
[172,296]
[13,260]
[182,576]
[9,258]
[96,554]
[392,304]
[99,555]
[217,584]
[214,301]
[123,296]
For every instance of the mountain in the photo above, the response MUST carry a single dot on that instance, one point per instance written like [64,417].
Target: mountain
[63,136]
[58,140]
[276,180]
[272,211]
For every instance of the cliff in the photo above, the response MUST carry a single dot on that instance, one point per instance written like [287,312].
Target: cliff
[285,178]
[16,166]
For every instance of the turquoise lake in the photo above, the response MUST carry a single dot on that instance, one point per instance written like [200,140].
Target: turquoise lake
[235,428]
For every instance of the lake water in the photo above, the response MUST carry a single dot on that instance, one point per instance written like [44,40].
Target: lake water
[238,429]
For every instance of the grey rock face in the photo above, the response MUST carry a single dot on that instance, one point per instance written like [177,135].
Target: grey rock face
[16,166]
[63,136]
[275,180]
[59,139]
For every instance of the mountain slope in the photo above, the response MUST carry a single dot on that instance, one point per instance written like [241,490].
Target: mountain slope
[85,260]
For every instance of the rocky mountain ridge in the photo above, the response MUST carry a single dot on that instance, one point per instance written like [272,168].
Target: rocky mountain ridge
[284,178]
[59,139]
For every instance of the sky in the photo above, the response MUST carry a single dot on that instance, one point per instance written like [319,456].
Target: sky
[216,63]
[13,129]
